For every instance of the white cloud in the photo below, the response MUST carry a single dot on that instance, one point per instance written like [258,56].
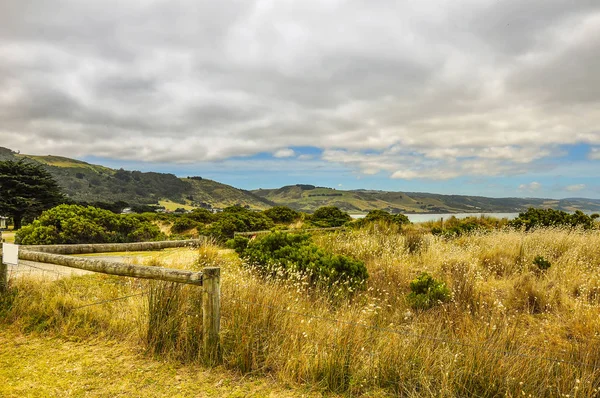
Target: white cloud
[594,153]
[306,157]
[531,187]
[575,188]
[284,153]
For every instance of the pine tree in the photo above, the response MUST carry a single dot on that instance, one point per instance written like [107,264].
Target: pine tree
[26,189]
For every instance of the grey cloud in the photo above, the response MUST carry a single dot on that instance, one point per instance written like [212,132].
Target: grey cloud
[475,87]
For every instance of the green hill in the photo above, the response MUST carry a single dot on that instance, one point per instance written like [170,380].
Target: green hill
[93,183]
[309,198]
[84,182]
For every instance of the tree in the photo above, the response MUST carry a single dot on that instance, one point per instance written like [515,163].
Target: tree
[282,214]
[26,190]
[329,216]
[70,224]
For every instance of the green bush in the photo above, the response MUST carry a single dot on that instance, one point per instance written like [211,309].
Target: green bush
[533,218]
[329,216]
[238,243]
[455,227]
[541,263]
[381,215]
[66,224]
[237,219]
[183,224]
[426,292]
[282,214]
[201,215]
[285,254]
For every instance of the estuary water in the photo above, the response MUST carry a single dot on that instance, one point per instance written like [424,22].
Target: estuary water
[416,218]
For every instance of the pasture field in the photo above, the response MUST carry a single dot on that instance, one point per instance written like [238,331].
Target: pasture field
[9,237]
[511,328]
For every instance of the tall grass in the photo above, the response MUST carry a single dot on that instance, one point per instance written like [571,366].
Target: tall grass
[495,336]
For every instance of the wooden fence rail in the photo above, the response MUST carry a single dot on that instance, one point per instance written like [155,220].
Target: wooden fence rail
[209,278]
[114,268]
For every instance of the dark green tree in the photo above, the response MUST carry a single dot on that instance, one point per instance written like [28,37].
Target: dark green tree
[282,214]
[26,190]
[329,216]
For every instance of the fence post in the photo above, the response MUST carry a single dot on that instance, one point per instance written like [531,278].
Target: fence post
[211,312]
[3,276]
[3,271]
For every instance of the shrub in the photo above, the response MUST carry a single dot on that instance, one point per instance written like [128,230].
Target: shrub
[282,214]
[183,224]
[329,216]
[238,243]
[66,224]
[533,218]
[287,254]
[201,215]
[382,217]
[455,227]
[541,263]
[238,219]
[426,292]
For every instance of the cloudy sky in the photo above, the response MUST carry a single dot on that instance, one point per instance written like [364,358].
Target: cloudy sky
[489,97]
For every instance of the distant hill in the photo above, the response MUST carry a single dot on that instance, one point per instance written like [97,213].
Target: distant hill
[309,198]
[93,183]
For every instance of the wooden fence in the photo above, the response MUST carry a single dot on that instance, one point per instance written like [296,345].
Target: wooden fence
[209,278]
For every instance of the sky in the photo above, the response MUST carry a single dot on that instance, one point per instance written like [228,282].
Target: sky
[479,97]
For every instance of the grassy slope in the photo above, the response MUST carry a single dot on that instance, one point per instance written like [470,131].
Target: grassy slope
[357,201]
[59,161]
[222,195]
[39,366]
[88,182]
[360,201]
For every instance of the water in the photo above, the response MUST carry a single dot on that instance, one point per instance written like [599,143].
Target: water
[416,218]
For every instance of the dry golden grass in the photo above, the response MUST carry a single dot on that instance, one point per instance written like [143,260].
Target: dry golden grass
[46,366]
[9,237]
[495,338]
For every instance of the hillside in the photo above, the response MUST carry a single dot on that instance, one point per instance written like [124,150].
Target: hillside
[84,182]
[309,198]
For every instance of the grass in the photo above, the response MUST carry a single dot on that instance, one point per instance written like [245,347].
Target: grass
[171,206]
[9,237]
[99,368]
[492,339]
[59,161]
